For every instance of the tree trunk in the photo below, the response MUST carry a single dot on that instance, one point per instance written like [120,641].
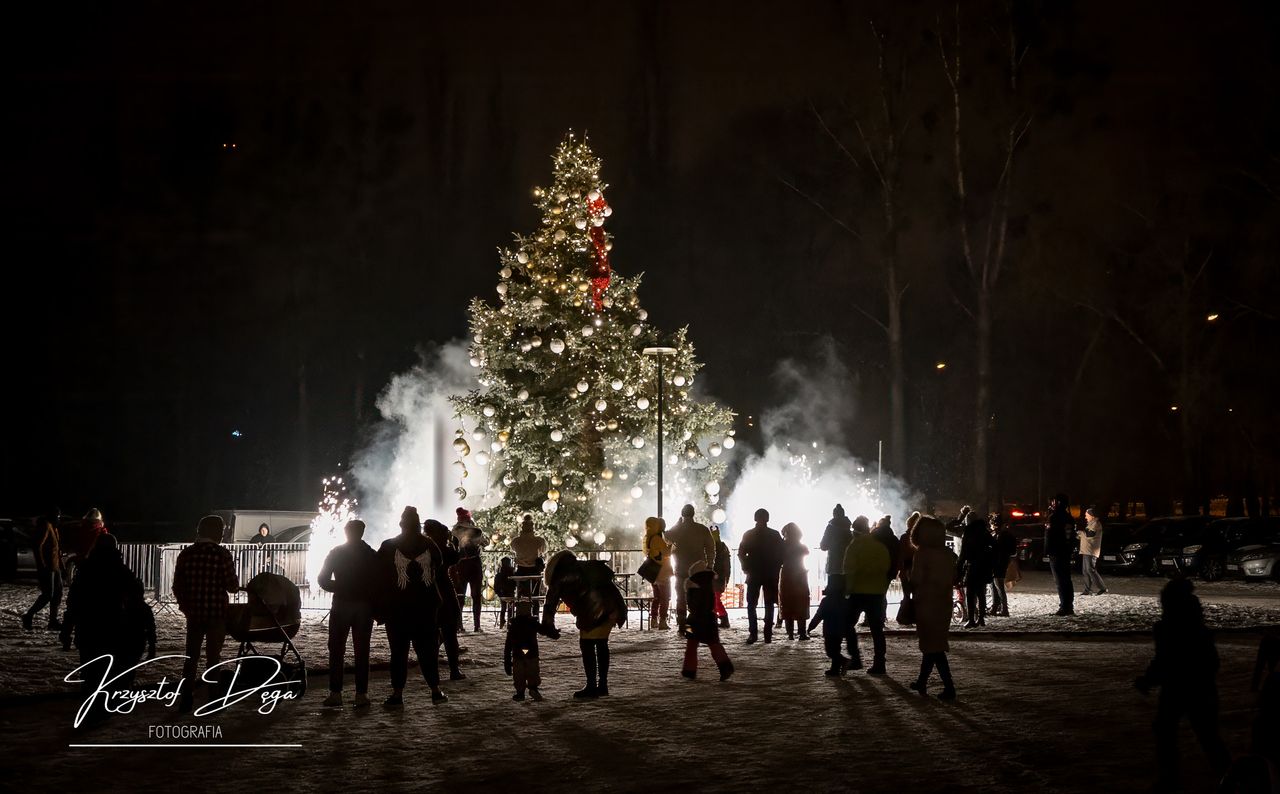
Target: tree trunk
[982,416]
[897,381]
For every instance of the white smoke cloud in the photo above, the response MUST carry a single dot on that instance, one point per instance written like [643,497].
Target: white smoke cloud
[804,471]
[408,460]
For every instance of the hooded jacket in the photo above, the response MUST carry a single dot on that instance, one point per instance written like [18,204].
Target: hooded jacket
[657,547]
[586,587]
[692,542]
[702,624]
[933,581]
[835,540]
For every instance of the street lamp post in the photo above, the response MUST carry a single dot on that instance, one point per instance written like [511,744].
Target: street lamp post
[659,352]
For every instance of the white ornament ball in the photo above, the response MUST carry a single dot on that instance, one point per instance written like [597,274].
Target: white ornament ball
[583,386]
[557,435]
[535,302]
[557,346]
[712,488]
[559,235]
[496,446]
[715,449]
[482,458]
[501,288]
[601,405]
[587,330]
[729,442]
[580,223]
[688,434]
[636,330]
[475,361]
[606,474]
[643,315]
[718,515]
[505,273]
[525,347]
[616,385]
[636,492]
[598,220]
[550,506]
[522,258]
[570,542]
[508,480]
[679,380]
[536,341]
[488,410]
[522,395]
[593,195]
[642,403]
[637,442]
[599,538]
[477,435]
[607,211]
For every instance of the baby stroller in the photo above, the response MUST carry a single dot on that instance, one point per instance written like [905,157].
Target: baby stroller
[273,614]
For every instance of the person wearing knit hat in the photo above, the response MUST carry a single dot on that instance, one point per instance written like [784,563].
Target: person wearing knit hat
[469,572]
[701,627]
[835,539]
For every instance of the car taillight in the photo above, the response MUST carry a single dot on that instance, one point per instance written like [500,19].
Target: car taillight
[1035,515]
[1018,514]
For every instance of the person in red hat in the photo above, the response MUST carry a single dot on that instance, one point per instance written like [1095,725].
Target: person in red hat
[469,572]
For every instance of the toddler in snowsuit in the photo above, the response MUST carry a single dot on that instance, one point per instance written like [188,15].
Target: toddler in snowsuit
[831,614]
[505,589]
[520,656]
[702,625]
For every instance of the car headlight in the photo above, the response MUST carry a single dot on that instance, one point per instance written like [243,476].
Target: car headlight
[1192,549]
[1133,547]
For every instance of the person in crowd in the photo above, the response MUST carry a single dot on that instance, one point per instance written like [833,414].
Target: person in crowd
[1184,668]
[1003,548]
[587,588]
[866,580]
[974,568]
[530,551]
[884,533]
[1059,537]
[263,535]
[702,626]
[202,577]
[108,614]
[760,555]
[409,565]
[835,539]
[469,572]
[955,527]
[932,577]
[48,554]
[793,590]
[449,616]
[906,559]
[659,550]
[724,572]
[835,627]
[520,654]
[1090,549]
[349,572]
[504,589]
[80,542]
[691,542]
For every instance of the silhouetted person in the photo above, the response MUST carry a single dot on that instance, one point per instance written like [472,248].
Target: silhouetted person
[520,653]
[691,543]
[48,554]
[883,532]
[529,550]
[793,588]
[932,579]
[409,565]
[450,613]
[835,539]
[350,573]
[202,577]
[263,535]
[724,572]
[1059,538]
[760,555]
[835,625]
[504,589]
[108,614]
[866,580]
[1003,546]
[587,588]
[702,626]
[1185,668]
[469,572]
[1090,550]
[658,549]
[974,568]
[80,543]
[1259,769]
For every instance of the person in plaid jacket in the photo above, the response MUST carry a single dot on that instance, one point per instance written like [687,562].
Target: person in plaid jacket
[202,577]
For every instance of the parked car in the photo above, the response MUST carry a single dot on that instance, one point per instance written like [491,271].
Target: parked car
[1205,551]
[1030,537]
[1257,556]
[1018,512]
[17,549]
[1139,554]
[1114,538]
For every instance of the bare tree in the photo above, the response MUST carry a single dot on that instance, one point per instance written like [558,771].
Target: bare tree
[983,226]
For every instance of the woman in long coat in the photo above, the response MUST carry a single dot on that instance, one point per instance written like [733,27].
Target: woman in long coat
[794,590]
[659,550]
[933,576]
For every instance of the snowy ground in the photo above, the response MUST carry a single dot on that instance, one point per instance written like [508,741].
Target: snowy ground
[1038,694]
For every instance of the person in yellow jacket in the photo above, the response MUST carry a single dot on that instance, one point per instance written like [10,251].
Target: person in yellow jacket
[659,550]
[866,579]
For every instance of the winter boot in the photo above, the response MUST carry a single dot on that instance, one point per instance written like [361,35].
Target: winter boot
[948,693]
[334,699]
[920,685]
[689,674]
[519,695]
[362,700]
[439,697]
[768,634]
[876,668]
[726,669]
[663,625]
[834,671]
[535,694]
[588,692]
[457,675]
[751,638]
[724,621]
[26,621]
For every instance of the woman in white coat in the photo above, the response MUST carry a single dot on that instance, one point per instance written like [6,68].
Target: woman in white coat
[933,577]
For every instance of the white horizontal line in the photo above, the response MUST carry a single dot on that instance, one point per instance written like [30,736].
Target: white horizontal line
[184,745]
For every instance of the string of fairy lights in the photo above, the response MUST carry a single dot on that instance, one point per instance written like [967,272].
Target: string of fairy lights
[565,411]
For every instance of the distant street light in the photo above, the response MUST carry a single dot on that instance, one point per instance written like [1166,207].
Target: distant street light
[659,352]
[941,365]
[1173,408]
[1212,317]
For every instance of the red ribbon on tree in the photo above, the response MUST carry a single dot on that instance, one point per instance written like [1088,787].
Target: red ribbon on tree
[600,271]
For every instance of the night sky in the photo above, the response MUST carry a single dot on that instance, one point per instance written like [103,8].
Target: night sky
[249,216]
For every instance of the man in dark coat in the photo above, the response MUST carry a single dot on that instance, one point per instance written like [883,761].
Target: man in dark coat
[1003,546]
[450,614]
[835,539]
[974,568]
[1059,538]
[760,555]
[348,572]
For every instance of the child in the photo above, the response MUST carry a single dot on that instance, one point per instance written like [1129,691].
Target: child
[505,589]
[520,657]
[832,617]
[702,626]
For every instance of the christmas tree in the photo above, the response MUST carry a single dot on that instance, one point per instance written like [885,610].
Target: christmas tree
[564,422]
